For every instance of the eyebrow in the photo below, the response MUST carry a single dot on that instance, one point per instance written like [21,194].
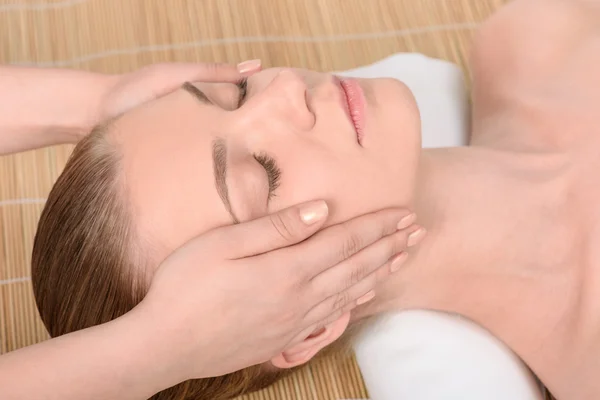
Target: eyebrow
[219,156]
[197,93]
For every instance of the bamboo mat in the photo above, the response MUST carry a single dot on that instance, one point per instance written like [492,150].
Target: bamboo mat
[121,35]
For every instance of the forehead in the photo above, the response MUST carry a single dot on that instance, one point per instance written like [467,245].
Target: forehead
[168,170]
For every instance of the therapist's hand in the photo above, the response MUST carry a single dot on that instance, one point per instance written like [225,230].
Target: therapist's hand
[126,91]
[238,295]
[81,100]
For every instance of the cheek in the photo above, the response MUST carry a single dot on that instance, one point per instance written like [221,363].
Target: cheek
[351,187]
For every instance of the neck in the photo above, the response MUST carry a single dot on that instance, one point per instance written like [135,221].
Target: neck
[491,219]
[448,205]
[481,208]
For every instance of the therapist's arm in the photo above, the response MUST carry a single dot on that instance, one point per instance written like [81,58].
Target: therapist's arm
[43,107]
[117,360]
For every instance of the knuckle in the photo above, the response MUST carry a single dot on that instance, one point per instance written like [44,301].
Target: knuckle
[358,272]
[386,228]
[295,281]
[285,229]
[300,276]
[351,245]
[341,299]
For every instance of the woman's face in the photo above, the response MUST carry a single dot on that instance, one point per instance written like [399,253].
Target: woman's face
[195,160]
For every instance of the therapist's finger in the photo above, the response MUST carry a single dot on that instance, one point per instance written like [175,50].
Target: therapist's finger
[333,245]
[167,77]
[334,283]
[326,312]
[364,291]
[172,75]
[275,231]
[219,72]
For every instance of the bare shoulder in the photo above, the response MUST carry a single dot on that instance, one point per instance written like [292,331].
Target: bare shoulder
[529,41]
[534,58]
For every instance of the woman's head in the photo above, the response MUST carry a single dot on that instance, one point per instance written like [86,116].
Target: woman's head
[142,185]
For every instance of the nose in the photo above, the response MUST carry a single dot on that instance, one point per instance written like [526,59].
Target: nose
[292,86]
[286,97]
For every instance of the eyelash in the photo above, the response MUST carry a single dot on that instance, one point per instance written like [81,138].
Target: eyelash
[243,91]
[273,172]
[267,162]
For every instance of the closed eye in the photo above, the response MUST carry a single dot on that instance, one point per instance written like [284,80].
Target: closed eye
[272,170]
[243,91]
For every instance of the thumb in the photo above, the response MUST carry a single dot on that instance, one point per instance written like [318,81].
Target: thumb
[281,229]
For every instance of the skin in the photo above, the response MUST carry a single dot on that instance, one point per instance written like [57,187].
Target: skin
[297,118]
[514,219]
[30,121]
[130,358]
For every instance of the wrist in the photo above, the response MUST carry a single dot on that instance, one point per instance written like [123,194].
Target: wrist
[144,338]
[44,107]
[81,108]
[164,346]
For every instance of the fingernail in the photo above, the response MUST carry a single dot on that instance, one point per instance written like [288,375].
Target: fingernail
[314,212]
[365,298]
[416,237]
[397,262]
[248,66]
[407,221]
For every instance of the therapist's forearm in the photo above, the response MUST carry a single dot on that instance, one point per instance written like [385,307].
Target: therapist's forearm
[42,107]
[119,360]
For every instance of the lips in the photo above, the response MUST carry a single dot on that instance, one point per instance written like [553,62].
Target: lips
[353,101]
